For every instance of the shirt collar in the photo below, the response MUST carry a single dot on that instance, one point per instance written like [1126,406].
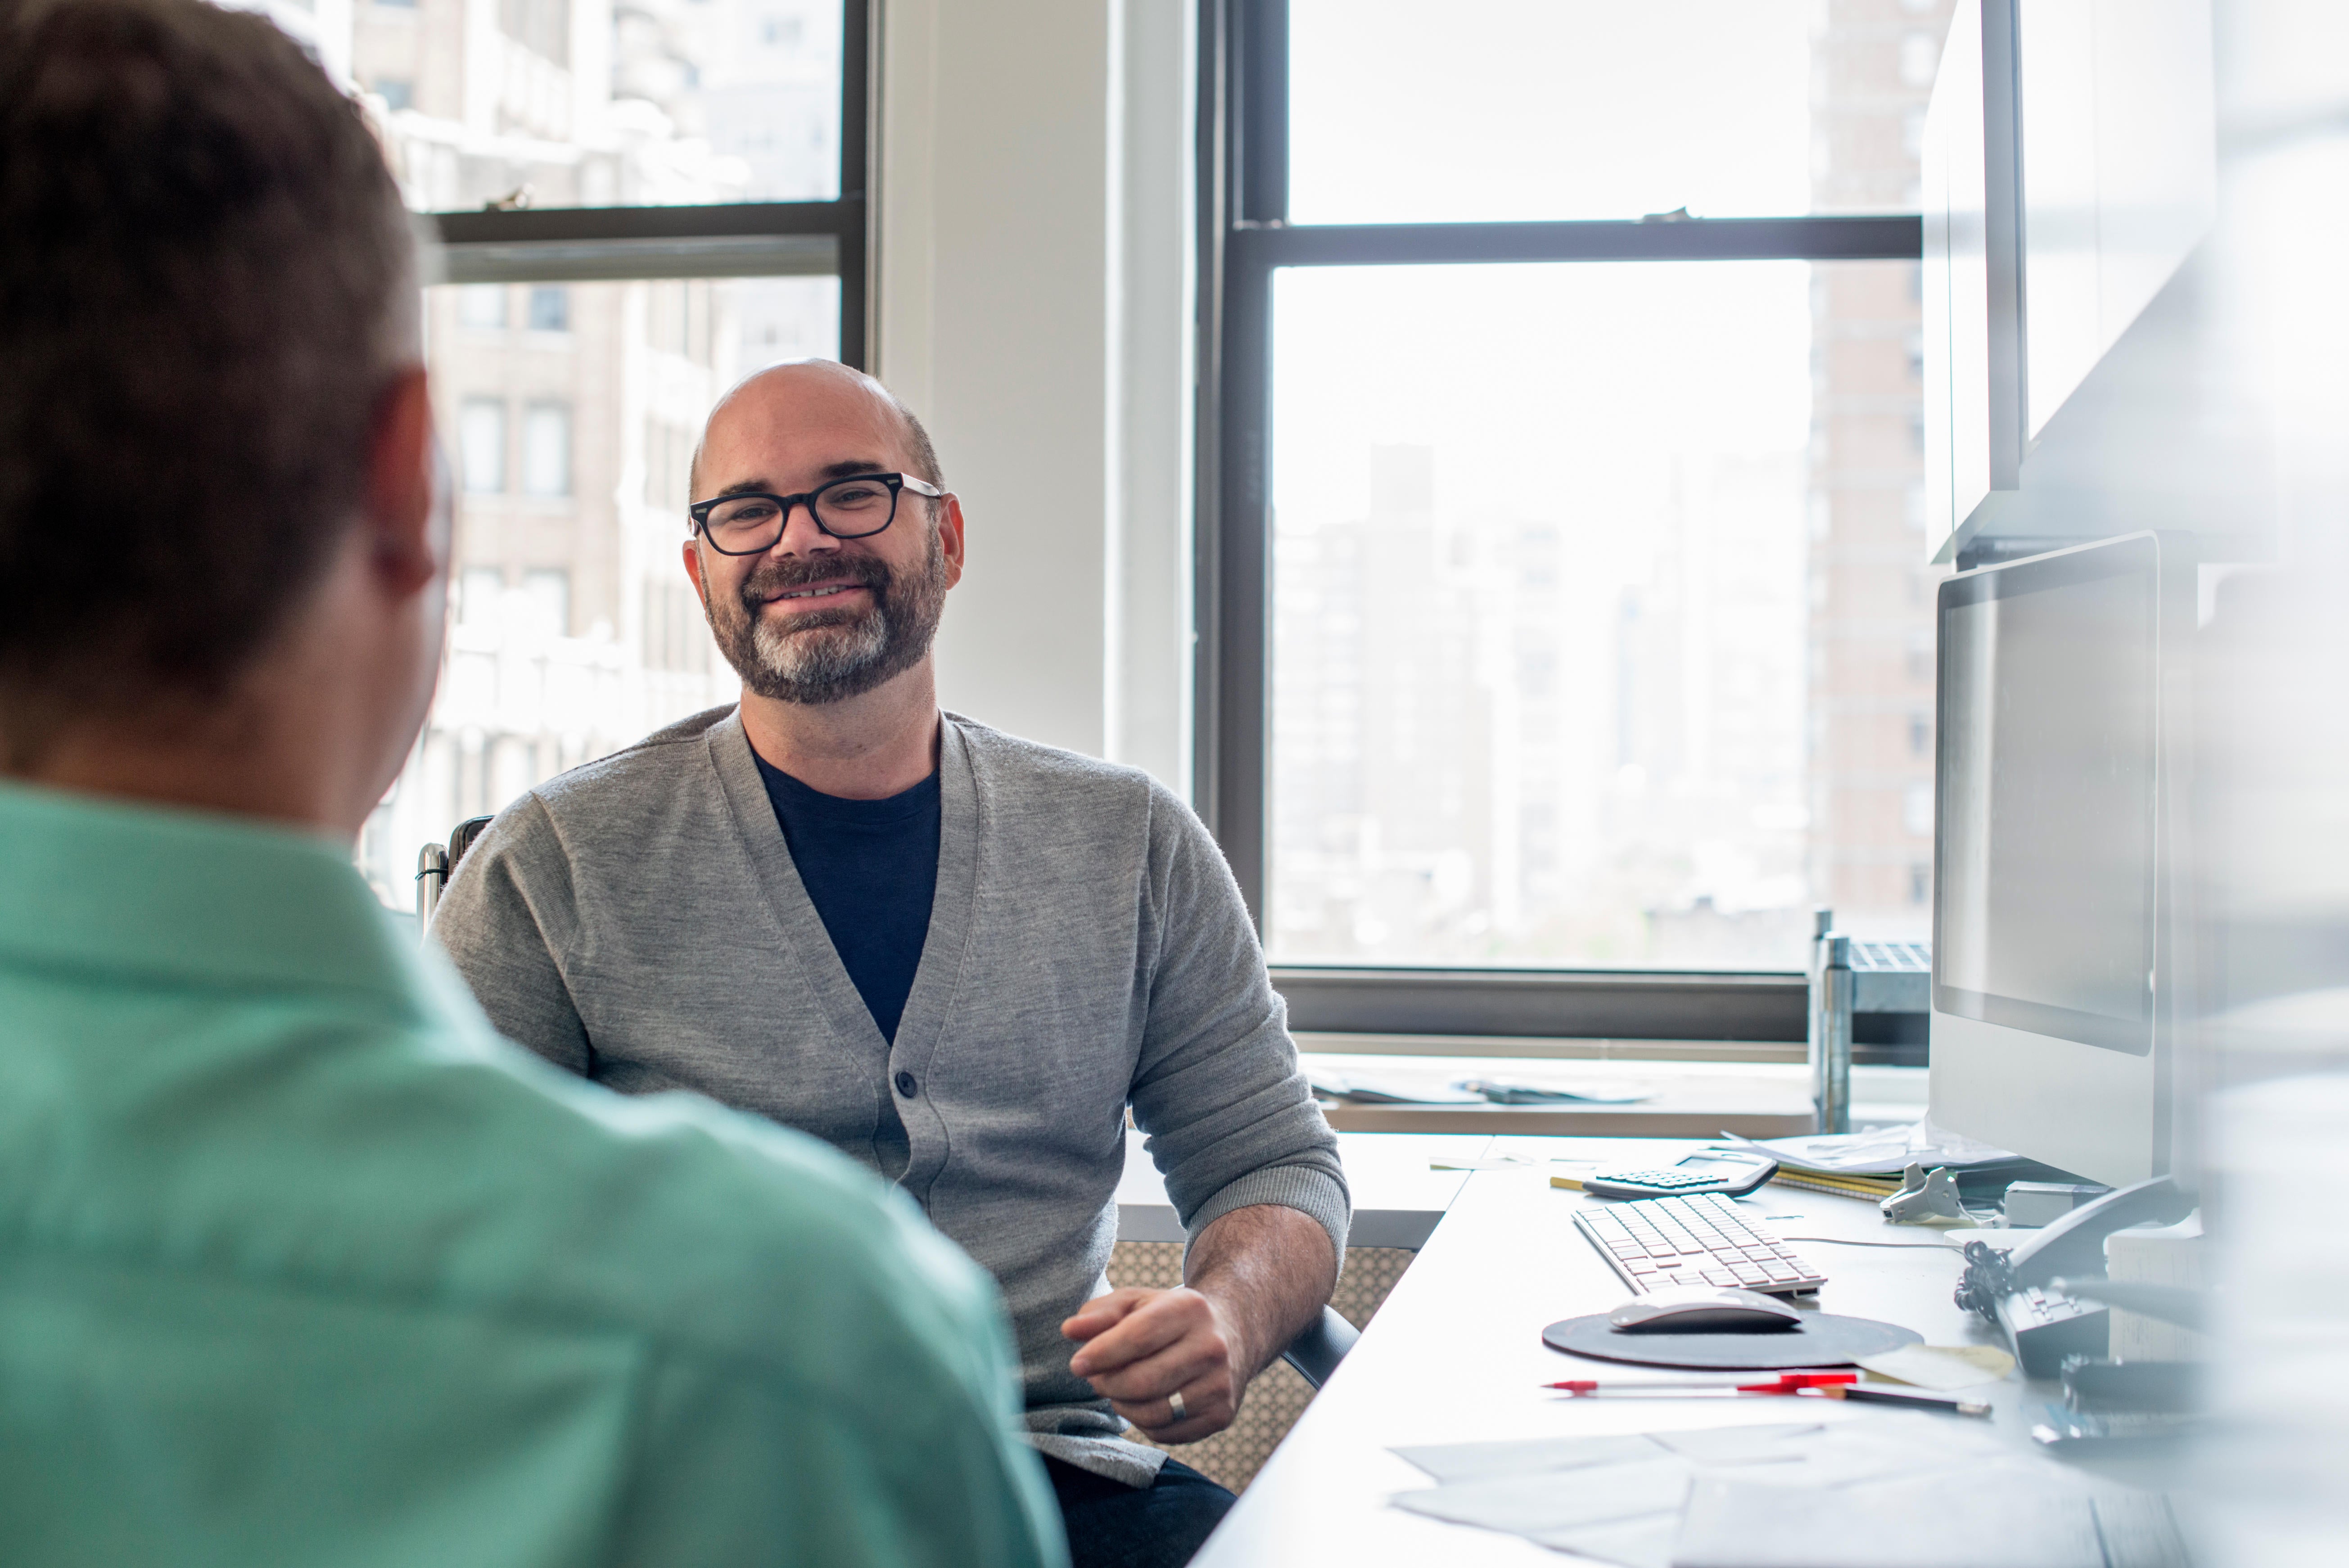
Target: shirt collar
[105,885]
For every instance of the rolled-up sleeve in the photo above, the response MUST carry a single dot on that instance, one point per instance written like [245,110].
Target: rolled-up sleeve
[1230,1118]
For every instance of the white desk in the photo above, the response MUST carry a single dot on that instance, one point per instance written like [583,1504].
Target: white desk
[1455,1356]
[1397,1198]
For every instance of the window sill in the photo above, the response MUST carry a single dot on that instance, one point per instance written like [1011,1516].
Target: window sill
[1691,1098]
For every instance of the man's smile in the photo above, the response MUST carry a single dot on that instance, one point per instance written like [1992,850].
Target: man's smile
[819,591]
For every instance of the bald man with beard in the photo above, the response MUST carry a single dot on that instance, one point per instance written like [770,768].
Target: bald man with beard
[958,956]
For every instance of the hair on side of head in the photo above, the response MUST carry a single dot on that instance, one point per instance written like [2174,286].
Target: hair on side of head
[206,284]
[917,436]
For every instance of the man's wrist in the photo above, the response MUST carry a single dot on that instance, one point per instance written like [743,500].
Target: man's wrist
[1244,1336]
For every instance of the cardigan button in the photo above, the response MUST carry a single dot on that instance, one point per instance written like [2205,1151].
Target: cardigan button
[906,1085]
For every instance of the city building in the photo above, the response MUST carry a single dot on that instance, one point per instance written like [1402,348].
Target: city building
[571,409]
[1666,703]
[1871,618]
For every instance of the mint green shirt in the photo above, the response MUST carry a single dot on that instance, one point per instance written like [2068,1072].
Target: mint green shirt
[299,1263]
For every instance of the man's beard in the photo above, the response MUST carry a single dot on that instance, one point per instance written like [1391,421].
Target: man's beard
[830,654]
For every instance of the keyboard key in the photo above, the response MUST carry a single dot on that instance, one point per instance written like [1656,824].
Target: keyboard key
[1703,1239]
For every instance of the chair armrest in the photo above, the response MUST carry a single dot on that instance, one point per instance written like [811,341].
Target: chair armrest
[1323,1342]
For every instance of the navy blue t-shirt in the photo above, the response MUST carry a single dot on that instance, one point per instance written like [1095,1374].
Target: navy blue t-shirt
[870,867]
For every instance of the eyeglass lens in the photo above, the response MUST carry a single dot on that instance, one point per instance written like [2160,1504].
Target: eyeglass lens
[846,509]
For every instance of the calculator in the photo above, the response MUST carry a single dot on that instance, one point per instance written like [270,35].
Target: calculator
[1731,1172]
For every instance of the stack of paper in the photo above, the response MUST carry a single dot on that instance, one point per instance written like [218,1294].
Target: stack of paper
[1868,1164]
[1896,1491]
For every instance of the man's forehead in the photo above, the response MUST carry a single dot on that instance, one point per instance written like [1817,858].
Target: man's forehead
[783,416]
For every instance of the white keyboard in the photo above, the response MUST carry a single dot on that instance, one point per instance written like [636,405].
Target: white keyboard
[1654,1242]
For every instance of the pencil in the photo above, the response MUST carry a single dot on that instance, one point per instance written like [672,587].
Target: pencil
[1911,1401]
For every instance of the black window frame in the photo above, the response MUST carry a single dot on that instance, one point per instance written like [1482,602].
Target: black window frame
[723,240]
[1244,237]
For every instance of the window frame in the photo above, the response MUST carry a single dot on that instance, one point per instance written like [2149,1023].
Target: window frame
[724,239]
[1244,237]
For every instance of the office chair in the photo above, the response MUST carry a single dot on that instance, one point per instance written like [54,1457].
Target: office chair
[436,863]
[1316,1352]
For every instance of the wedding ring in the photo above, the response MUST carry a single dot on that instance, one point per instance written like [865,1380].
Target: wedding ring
[1174,1403]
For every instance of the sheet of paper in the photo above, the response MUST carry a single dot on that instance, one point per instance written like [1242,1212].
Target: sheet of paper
[1497,1162]
[1941,1367]
[2019,1520]
[1633,1542]
[1388,1091]
[2138,1529]
[1843,1463]
[1884,1152]
[1617,1498]
[1511,1091]
[1537,1505]
[1450,1463]
[1739,1445]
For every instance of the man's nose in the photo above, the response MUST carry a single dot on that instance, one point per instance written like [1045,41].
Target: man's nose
[800,536]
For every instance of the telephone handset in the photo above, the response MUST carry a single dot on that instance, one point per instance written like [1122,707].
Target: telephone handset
[2075,1244]
[2045,1325]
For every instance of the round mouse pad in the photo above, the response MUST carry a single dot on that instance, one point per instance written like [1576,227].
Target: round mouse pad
[1820,1341]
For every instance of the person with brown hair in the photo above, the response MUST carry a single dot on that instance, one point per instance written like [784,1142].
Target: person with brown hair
[299,1262]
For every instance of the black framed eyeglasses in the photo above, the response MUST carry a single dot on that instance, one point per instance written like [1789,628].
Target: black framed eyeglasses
[852,508]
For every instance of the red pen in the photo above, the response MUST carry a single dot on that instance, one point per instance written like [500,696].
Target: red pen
[1786,1382]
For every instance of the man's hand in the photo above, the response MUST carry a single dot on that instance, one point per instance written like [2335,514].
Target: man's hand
[1257,1276]
[1142,1346]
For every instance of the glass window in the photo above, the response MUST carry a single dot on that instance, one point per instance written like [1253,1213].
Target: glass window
[480,591]
[570,103]
[1592,592]
[481,306]
[547,592]
[481,440]
[547,450]
[576,631]
[1499,110]
[549,308]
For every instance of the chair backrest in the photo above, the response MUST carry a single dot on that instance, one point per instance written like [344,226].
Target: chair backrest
[1317,1351]
[435,863]
[461,836]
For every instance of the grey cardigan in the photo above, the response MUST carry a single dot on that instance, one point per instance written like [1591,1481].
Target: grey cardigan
[638,920]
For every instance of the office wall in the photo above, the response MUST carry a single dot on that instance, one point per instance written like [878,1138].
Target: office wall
[1033,305]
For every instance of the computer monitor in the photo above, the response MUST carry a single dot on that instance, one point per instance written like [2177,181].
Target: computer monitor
[2054,957]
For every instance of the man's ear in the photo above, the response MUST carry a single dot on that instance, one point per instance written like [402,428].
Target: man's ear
[400,508]
[950,542]
[693,569]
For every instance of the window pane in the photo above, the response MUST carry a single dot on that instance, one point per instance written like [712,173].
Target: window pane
[1504,111]
[588,103]
[547,450]
[480,591]
[1594,593]
[482,305]
[547,592]
[481,433]
[575,630]
[549,308]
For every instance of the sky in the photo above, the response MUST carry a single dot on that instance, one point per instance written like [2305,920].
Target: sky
[1499,110]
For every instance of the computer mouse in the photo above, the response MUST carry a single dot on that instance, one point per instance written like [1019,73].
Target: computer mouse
[1701,1309]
